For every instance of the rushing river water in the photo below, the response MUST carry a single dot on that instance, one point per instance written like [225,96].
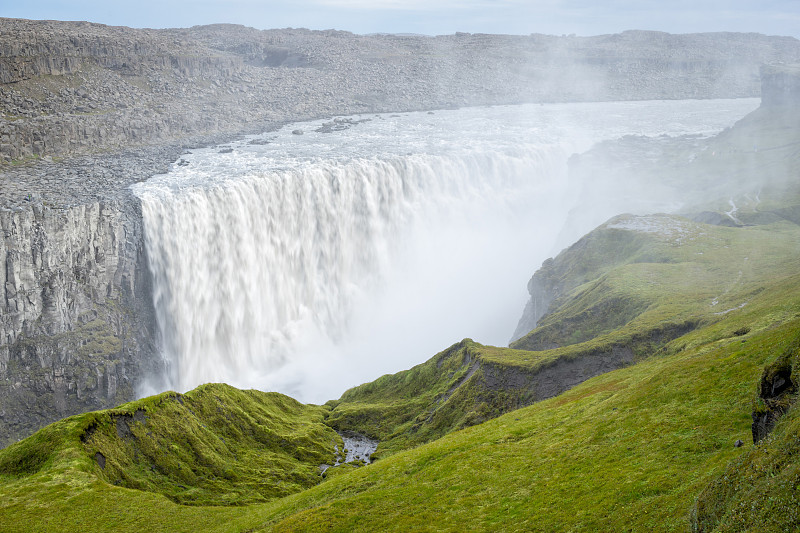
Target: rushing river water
[308,263]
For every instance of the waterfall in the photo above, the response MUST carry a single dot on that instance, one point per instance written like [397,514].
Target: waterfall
[248,270]
[310,263]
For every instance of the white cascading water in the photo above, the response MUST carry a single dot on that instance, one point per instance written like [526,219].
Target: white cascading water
[308,264]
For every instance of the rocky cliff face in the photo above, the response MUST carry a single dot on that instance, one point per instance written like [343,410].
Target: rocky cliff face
[543,290]
[75,329]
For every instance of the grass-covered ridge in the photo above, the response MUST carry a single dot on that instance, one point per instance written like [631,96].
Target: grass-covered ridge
[644,272]
[446,393]
[640,283]
[626,451]
[215,445]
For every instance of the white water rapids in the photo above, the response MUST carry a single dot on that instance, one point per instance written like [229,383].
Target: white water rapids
[315,262]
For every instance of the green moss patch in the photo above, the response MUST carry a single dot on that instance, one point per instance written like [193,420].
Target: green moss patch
[215,445]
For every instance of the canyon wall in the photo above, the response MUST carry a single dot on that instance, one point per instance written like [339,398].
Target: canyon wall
[76,331]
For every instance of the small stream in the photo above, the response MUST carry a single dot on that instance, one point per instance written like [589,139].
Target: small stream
[357,447]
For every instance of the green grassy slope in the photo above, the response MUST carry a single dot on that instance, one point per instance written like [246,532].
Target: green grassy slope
[625,451]
[655,269]
[662,277]
[215,445]
[628,450]
[586,261]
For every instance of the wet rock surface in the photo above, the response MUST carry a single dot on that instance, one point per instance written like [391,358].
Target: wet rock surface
[357,447]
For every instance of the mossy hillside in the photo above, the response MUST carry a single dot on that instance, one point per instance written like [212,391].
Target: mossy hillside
[446,393]
[671,266]
[591,256]
[629,450]
[760,490]
[50,482]
[626,451]
[215,445]
[702,274]
[609,308]
[487,381]
[586,302]
[393,406]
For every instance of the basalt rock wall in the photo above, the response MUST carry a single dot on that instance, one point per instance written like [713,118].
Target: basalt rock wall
[76,331]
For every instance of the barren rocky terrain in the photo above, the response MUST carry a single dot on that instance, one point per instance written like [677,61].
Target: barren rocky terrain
[76,88]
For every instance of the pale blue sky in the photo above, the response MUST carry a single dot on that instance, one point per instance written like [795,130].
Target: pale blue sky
[584,17]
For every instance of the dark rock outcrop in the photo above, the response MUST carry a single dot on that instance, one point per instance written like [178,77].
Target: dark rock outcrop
[776,393]
[551,380]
